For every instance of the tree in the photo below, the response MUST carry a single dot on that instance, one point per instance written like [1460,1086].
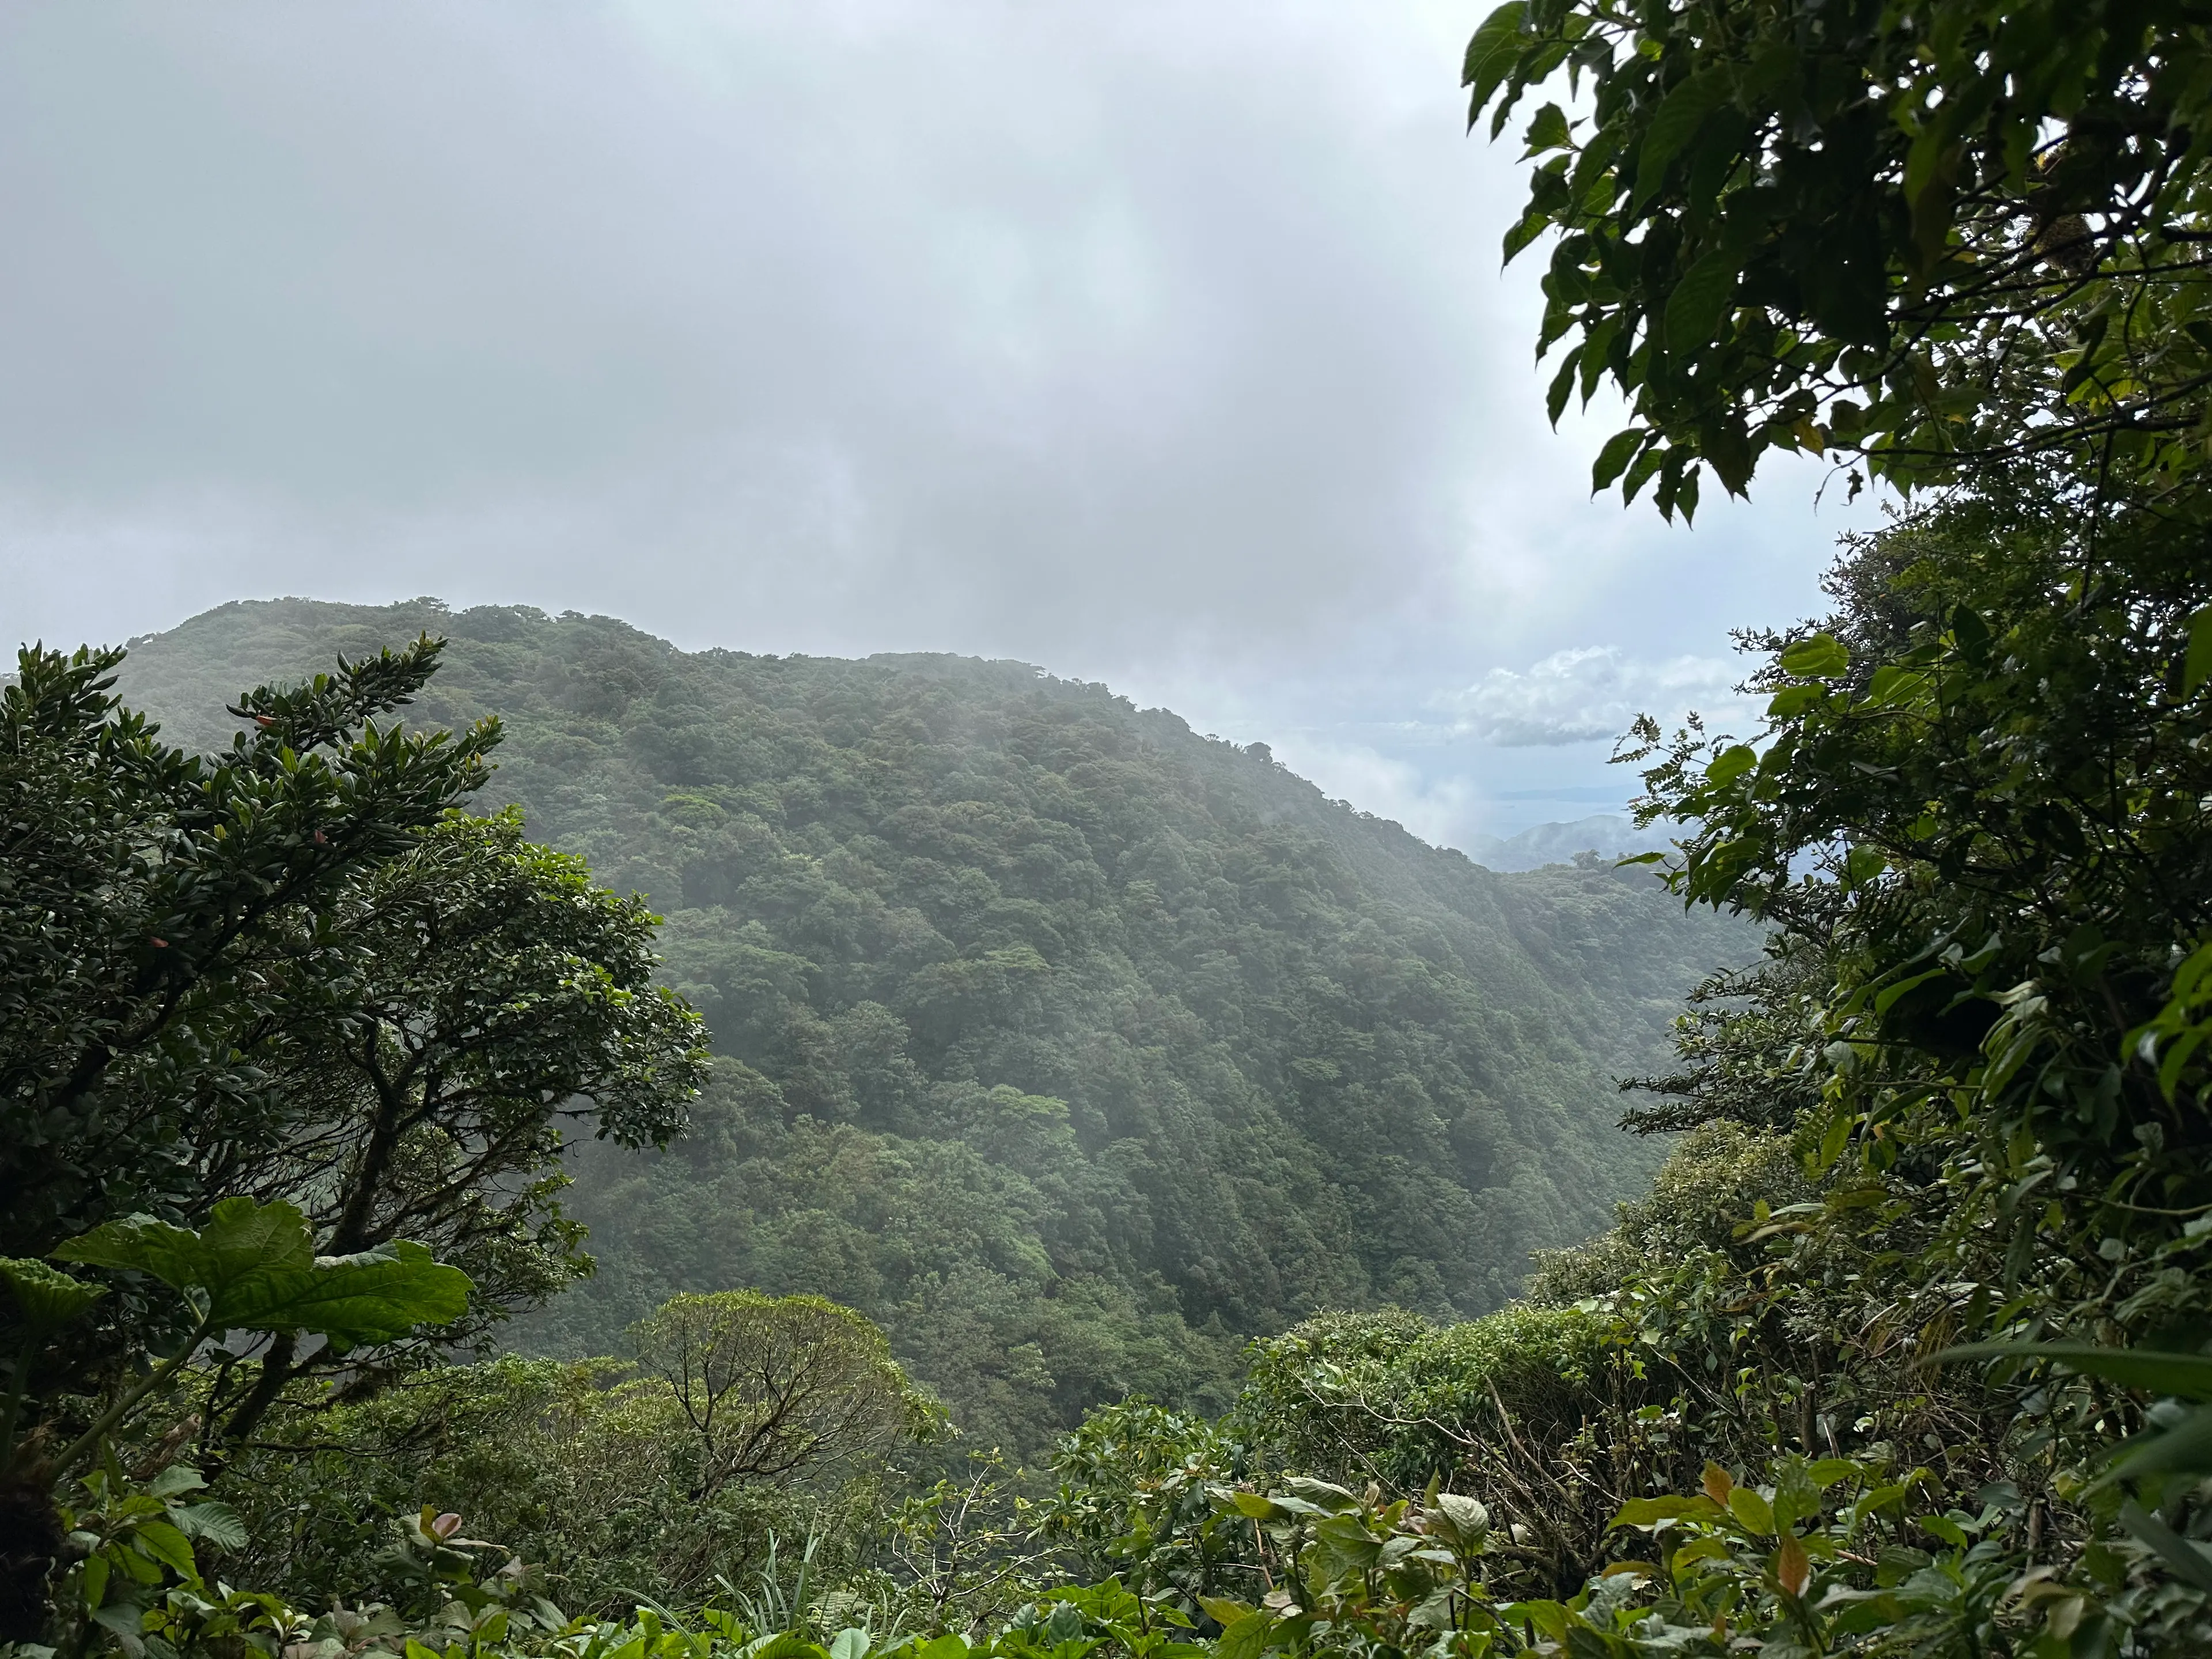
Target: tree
[1933,235]
[1964,243]
[143,894]
[481,992]
[773,1387]
[294,972]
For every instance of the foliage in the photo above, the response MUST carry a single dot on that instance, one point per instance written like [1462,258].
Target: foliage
[1068,1045]
[1748,1046]
[489,999]
[142,887]
[1714,1178]
[290,975]
[1937,234]
[773,1385]
[749,1418]
[1392,1398]
[1136,1499]
[251,1270]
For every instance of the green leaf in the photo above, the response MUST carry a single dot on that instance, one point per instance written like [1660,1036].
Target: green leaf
[1887,998]
[1754,1511]
[218,1523]
[1563,385]
[1491,55]
[243,1246]
[168,1546]
[46,1299]
[2185,1449]
[1225,1612]
[2185,1558]
[1730,764]
[783,1644]
[2197,667]
[1548,131]
[1618,450]
[257,1266]
[1699,299]
[1822,657]
[2185,1375]
[1246,1638]
[1531,225]
[370,1298]
[1672,125]
[1647,1511]
[175,1480]
[127,1620]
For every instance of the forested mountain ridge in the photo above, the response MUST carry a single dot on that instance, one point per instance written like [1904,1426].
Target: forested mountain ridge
[1071,1045]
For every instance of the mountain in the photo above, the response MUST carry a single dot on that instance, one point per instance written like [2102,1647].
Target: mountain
[1607,834]
[1073,1047]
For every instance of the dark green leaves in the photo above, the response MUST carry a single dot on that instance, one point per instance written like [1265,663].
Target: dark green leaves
[2196,667]
[1919,272]
[2185,1375]
[1675,122]
[1491,55]
[1700,299]
[1620,449]
[136,877]
[254,1267]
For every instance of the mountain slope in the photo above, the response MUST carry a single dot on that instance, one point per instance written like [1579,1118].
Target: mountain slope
[1071,1045]
[1609,835]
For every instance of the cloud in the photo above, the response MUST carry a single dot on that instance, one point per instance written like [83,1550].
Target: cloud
[1580,695]
[1156,344]
[1446,810]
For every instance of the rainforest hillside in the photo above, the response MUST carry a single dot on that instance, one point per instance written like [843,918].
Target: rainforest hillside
[1070,1045]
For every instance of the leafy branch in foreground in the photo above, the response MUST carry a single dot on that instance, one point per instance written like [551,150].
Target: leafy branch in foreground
[142,889]
[253,1268]
[1932,234]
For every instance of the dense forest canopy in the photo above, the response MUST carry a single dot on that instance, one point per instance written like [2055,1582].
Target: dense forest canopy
[1073,1046]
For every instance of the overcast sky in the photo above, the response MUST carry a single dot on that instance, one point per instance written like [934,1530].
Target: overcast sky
[1161,345]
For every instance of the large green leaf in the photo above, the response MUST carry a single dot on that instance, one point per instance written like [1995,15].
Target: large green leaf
[46,1300]
[1673,124]
[2184,1448]
[255,1264]
[370,1298]
[245,1250]
[2185,1375]
[1821,657]
[1695,307]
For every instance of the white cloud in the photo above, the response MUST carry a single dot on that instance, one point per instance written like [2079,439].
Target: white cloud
[1591,692]
[1445,810]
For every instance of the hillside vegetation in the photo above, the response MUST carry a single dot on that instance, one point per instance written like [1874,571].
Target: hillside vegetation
[1070,1045]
